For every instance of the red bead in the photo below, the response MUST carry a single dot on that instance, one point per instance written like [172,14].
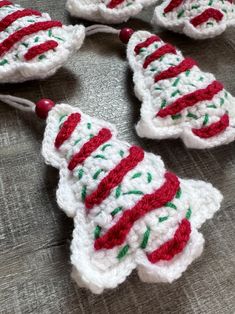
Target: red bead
[43,106]
[125,34]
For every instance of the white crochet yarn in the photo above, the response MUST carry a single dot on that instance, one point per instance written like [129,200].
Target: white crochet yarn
[13,65]
[98,11]
[101,269]
[178,20]
[164,92]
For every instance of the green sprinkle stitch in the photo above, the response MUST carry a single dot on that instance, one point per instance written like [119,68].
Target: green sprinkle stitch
[180,14]
[36,39]
[25,45]
[84,189]
[89,126]
[176,82]
[77,141]
[105,146]
[80,173]
[134,192]
[145,238]
[171,205]
[123,251]
[98,172]
[62,117]
[178,193]
[59,38]
[118,191]
[161,219]
[188,214]
[41,57]
[136,175]
[100,156]
[175,93]
[3,62]
[176,116]
[97,232]
[187,72]
[116,210]
[149,177]
[50,33]
[163,104]
[211,106]
[221,101]
[121,153]
[206,119]
[191,115]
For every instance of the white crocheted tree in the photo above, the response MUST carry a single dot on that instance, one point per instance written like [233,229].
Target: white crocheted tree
[107,11]
[33,46]
[178,99]
[198,19]
[129,211]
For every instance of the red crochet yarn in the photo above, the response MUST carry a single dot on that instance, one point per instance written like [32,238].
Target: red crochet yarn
[5,3]
[191,99]
[9,42]
[11,18]
[158,54]
[213,129]
[205,16]
[173,71]
[39,49]
[67,129]
[117,234]
[114,3]
[115,177]
[89,147]
[172,5]
[146,43]
[168,250]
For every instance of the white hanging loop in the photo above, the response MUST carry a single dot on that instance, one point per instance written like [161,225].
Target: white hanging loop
[99,28]
[18,103]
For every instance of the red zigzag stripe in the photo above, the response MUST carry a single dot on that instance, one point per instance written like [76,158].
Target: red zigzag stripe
[172,5]
[67,129]
[9,42]
[168,250]
[103,136]
[11,18]
[114,3]
[146,43]
[158,54]
[191,99]
[115,177]
[213,129]
[205,16]
[5,3]
[117,234]
[39,49]
[173,71]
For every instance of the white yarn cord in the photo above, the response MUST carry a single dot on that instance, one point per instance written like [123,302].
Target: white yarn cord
[99,28]
[18,103]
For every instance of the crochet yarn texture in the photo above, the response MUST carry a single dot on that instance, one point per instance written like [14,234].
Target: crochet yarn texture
[178,99]
[32,46]
[198,19]
[129,211]
[107,11]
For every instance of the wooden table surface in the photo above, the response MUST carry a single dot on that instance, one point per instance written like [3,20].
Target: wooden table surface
[35,234]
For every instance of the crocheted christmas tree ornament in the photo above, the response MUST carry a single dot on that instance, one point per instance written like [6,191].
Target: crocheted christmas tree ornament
[107,11]
[198,19]
[33,46]
[129,211]
[178,99]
